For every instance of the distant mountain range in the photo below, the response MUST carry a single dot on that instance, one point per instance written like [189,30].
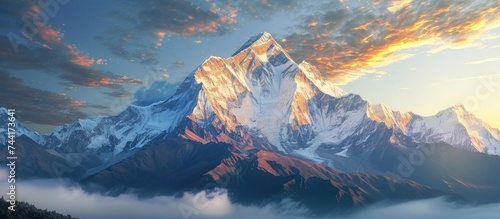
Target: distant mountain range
[275,129]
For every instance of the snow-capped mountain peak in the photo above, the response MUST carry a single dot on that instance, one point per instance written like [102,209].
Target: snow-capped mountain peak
[253,88]
[454,125]
[259,39]
[19,127]
[483,137]
[393,119]
[261,94]
[455,110]
[318,80]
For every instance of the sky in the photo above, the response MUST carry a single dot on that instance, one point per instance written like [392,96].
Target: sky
[62,60]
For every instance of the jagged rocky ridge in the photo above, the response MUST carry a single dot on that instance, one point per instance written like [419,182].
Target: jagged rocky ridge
[258,102]
[261,92]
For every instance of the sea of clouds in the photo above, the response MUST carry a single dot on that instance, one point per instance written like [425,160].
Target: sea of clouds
[68,198]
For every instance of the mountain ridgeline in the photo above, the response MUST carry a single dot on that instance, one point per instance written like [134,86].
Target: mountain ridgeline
[275,129]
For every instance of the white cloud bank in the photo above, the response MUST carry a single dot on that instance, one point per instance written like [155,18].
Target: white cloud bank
[67,199]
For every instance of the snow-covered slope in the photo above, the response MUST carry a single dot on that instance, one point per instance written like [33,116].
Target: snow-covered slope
[260,97]
[292,107]
[270,96]
[454,126]
[131,129]
[457,127]
[19,128]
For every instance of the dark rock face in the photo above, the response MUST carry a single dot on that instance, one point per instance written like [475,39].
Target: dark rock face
[237,123]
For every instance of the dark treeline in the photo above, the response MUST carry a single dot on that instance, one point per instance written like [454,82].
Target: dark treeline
[25,210]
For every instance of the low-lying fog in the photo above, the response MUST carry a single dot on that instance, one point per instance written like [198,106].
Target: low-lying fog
[67,198]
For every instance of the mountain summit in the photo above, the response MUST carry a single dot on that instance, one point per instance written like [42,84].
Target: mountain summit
[274,128]
[260,98]
[294,110]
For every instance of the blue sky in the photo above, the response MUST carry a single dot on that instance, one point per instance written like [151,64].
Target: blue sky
[73,59]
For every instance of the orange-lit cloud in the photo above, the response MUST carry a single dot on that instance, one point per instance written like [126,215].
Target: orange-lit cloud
[82,60]
[52,39]
[396,5]
[347,44]
[111,81]
[150,22]
[38,106]
[103,81]
[210,26]
[161,34]
[127,80]
[312,24]
[46,51]
[101,61]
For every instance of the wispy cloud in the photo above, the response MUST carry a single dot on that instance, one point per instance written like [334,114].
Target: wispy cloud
[397,5]
[48,53]
[157,91]
[62,63]
[350,39]
[141,27]
[474,77]
[38,106]
[264,9]
[179,63]
[483,61]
